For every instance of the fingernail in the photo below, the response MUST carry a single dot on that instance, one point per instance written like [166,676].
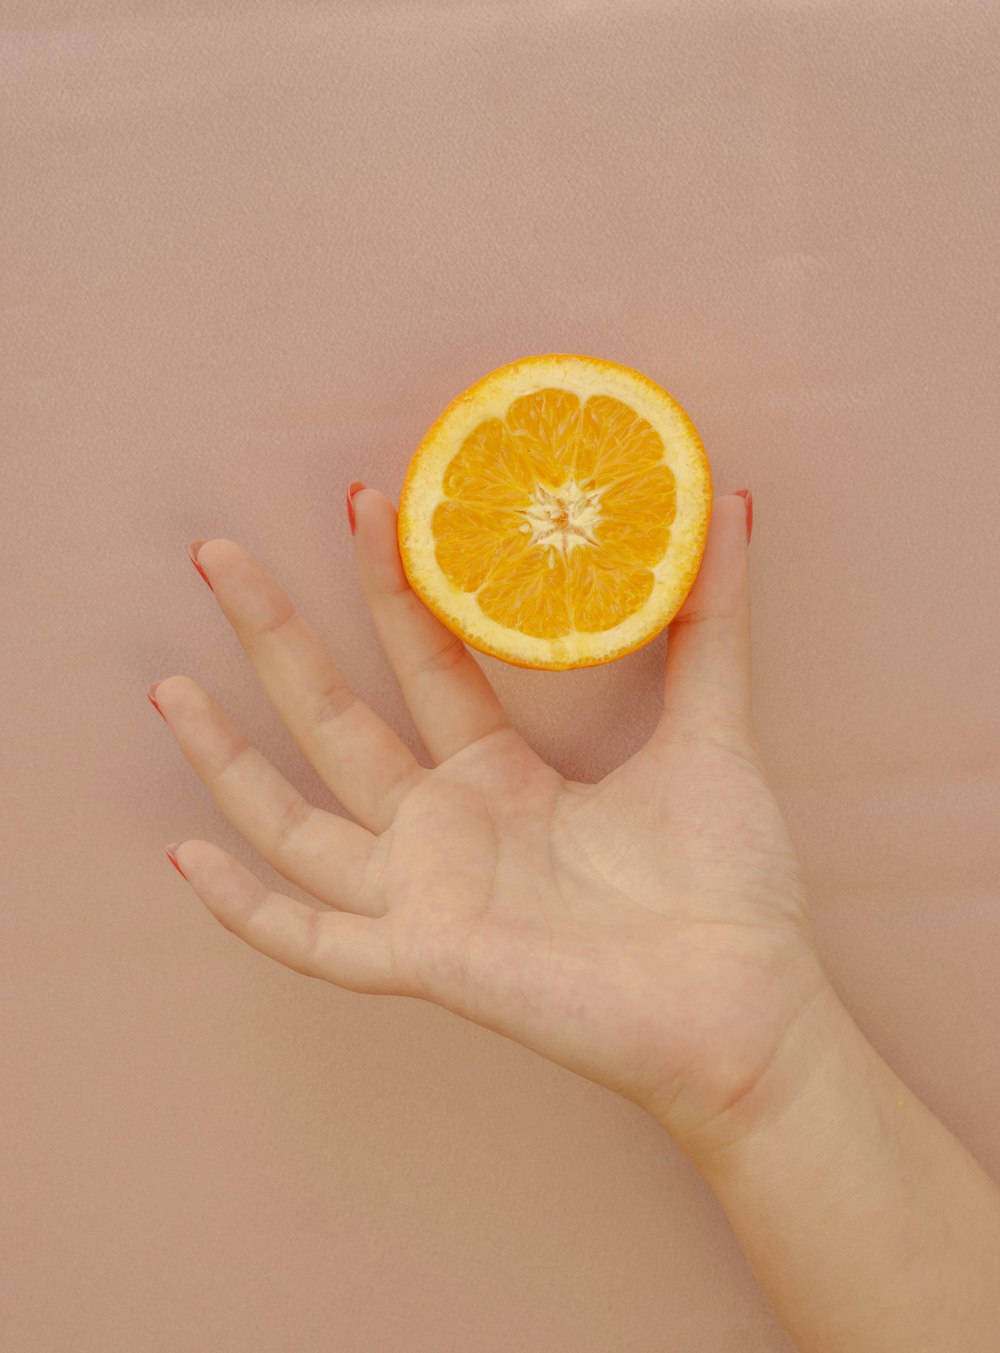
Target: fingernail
[193,549]
[150,689]
[748,496]
[354,488]
[173,859]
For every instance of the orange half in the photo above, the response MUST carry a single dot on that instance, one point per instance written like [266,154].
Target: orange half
[555,514]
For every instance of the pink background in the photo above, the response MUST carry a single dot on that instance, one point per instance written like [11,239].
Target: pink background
[250,251]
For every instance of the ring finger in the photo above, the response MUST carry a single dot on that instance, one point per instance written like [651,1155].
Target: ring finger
[319,851]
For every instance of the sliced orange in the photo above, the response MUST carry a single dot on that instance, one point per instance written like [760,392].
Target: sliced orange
[555,514]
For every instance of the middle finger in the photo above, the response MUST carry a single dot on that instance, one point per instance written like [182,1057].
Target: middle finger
[355,753]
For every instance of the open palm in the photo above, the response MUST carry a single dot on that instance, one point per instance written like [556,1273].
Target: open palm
[648,932]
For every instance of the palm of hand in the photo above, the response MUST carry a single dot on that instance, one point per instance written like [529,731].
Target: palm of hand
[648,931]
[639,931]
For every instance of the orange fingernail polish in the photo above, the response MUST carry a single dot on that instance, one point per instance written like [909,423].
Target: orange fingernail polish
[748,496]
[193,549]
[150,689]
[353,488]
[173,859]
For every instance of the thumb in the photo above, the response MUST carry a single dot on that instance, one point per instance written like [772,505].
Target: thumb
[707,679]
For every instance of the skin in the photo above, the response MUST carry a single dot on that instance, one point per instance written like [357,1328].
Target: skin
[649,932]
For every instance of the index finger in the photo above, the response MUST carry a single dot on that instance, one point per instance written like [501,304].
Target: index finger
[357,755]
[446,691]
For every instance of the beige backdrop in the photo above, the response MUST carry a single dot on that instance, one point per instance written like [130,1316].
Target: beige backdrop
[249,252]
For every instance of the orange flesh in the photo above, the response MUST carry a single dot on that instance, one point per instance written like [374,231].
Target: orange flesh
[555,514]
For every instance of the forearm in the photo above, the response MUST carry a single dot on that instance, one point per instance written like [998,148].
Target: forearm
[868,1225]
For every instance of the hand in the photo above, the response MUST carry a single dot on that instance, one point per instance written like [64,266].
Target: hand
[648,932]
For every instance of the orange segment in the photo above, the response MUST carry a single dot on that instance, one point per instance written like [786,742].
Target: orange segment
[637,512]
[473,541]
[620,541]
[530,596]
[614,440]
[545,425]
[602,593]
[555,514]
[490,468]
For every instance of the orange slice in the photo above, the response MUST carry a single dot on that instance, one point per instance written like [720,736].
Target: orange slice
[555,514]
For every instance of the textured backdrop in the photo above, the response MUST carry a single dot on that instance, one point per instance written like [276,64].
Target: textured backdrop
[250,251]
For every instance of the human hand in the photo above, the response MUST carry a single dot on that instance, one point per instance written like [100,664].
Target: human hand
[648,932]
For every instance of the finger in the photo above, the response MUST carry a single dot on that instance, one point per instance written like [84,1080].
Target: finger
[351,951]
[355,753]
[319,851]
[708,667]
[446,691]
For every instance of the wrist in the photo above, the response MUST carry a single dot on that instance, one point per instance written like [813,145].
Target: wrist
[867,1224]
[823,1077]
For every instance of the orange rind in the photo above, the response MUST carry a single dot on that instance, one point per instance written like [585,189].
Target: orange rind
[555,514]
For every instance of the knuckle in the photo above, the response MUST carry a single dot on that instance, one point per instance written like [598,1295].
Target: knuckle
[395,584]
[696,617]
[312,949]
[277,620]
[336,701]
[726,733]
[444,658]
[294,819]
[238,749]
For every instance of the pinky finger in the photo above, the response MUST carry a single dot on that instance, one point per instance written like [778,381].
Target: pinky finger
[340,947]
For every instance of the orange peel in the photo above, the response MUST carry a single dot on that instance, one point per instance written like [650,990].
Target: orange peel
[555,514]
